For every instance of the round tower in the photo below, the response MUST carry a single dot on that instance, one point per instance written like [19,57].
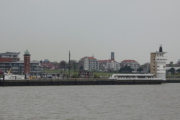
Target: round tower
[27,63]
[161,63]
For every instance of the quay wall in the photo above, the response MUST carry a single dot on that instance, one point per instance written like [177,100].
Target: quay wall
[48,82]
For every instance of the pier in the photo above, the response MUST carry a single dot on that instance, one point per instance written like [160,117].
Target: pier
[51,82]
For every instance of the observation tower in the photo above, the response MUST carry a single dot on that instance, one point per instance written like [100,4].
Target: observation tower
[161,63]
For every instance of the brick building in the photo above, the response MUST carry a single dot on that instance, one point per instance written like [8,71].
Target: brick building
[27,62]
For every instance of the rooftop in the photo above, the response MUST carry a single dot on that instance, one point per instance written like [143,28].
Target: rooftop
[22,61]
[106,61]
[129,61]
[10,53]
[46,60]
[88,57]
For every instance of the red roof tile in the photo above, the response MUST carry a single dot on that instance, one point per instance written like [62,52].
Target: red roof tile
[106,61]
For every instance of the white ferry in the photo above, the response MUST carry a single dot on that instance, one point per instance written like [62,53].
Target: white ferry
[134,77]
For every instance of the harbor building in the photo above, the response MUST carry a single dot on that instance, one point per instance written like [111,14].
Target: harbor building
[132,63]
[89,63]
[158,64]
[9,57]
[18,67]
[11,61]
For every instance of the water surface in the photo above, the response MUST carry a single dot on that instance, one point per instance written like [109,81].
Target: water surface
[108,102]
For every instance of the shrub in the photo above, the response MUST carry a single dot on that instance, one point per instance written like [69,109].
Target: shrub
[75,76]
[96,76]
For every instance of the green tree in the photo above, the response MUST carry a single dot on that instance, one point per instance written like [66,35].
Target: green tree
[178,70]
[62,65]
[145,65]
[140,69]
[171,64]
[172,70]
[126,69]
[81,68]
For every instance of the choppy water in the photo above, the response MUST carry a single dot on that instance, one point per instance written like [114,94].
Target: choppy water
[113,102]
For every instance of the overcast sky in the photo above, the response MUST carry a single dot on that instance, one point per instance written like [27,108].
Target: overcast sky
[130,28]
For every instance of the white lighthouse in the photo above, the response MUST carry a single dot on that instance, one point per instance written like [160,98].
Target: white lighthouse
[161,63]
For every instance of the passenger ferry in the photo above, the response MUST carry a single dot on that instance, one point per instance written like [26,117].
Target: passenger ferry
[134,77]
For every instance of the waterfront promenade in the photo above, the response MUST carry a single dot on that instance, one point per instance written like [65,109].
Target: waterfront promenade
[47,82]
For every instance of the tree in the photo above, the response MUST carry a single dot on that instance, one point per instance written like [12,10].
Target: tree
[44,67]
[172,70]
[126,69]
[178,70]
[171,64]
[145,65]
[81,68]
[140,69]
[62,64]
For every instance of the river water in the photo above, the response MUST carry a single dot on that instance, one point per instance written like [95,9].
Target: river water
[110,102]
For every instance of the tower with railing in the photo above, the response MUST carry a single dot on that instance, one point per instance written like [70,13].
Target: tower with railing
[161,63]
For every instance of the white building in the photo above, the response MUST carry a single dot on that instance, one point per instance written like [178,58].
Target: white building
[109,65]
[161,63]
[89,63]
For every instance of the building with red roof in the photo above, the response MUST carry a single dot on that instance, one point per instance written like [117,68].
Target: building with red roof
[132,63]
[109,65]
[47,64]
[89,63]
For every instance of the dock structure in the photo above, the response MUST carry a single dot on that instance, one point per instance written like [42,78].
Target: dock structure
[51,82]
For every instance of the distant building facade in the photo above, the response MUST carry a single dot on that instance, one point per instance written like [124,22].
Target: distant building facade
[108,65]
[9,57]
[13,63]
[132,63]
[153,64]
[89,63]
[46,64]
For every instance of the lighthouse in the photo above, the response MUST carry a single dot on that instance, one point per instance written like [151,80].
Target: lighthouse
[161,63]
[27,63]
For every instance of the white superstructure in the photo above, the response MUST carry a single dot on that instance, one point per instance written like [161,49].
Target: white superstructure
[161,64]
[134,77]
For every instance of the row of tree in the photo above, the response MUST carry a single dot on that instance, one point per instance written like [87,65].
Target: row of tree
[173,71]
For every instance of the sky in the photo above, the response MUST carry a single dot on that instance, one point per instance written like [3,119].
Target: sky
[130,28]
